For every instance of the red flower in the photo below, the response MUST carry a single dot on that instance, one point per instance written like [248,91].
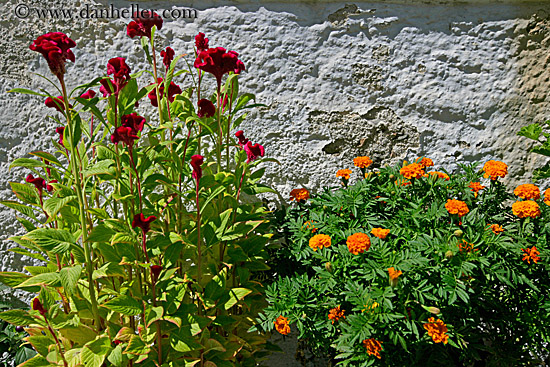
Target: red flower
[55,47]
[56,102]
[242,140]
[142,24]
[201,42]
[173,89]
[206,108]
[142,222]
[167,57]
[196,162]
[121,75]
[155,271]
[218,62]
[38,182]
[37,306]
[88,95]
[124,134]
[253,151]
[133,121]
[50,187]
[60,131]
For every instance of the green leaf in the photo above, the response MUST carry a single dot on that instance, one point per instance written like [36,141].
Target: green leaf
[26,91]
[103,167]
[12,279]
[125,305]
[69,277]
[41,279]
[54,205]
[101,233]
[23,209]
[47,156]
[79,335]
[27,163]
[50,238]
[236,295]
[109,269]
[37,361]
[153,314]
[115,357]
[183,343]
[25,193]
[76,125]
[18,317]
[41,343]
[212,195]
[532,131]
[136,346]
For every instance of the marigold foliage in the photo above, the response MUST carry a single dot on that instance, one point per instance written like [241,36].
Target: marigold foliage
[527,192]
[437,330]
[524,209]
[495,169]
[362,162]
[319,241]
[358,243]
[457,207]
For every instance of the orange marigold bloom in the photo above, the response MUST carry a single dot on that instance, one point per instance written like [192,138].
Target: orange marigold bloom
[476,187]
[547,197]
[425,162]
[299,194]
[466,247]
[281,324]
[380,232]
[358,243]
[394,274]
[344,173]
[318,241]
[496,228]
[524,209]
[336,314]
[495,169]
[402,182]
[527,191]
[362,162]
[310,225]
[457,207]
[373,347]
[441,175]
[413,170]
[437,330]
[531,254]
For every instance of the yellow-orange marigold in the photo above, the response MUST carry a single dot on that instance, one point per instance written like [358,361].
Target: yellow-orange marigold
[281,325]
[495,169]
[425,162]
[299,194]
[457,207]
[413,170]
[344,173]
[466,247]
[394,274]
[319,241]
[496,228]
[373,347]
[310,225]
[476,187]
[358,243]
[362,162]
[380,232]
[527,192]
[437,330]
[547,196]
[336,314]
[531,254]
[441,175]
[524,209]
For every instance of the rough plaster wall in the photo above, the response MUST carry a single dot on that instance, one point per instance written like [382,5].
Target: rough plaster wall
[389,79]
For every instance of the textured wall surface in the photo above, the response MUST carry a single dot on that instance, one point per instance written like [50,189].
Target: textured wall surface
[389,79]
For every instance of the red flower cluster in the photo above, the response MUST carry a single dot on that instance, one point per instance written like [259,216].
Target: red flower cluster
[142,222]
[196,162]
[127,133]
[143,23]
[55,47]
[253,151]
[242,140]
[218,61]
[167,57]
[173,89]
[56,102]
[206,108]
[201,42]
[121,75]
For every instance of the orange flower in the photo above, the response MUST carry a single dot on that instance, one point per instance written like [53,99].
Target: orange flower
[524,209]
[531,254]
[394,276]
[457,207]
[380,232]
[496,228]
[437,330]
[299,194]
[336,314]
[344,173]
[310,226]
[547,197]
[425,162]
[476,187]
[318,241]
[466,247]
[495,169]
[527,191]
[413,170]
[281,324]
[362,162]
[402,182]
[373,347]
[358,243]
[441,175]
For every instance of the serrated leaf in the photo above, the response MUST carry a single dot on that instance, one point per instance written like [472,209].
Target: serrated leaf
[125,305]
[17,317]
[69,277]
[50,238]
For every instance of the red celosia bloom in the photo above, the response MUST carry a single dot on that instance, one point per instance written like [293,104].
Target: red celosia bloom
[56,102]
[173,89]
[124,134]
[88,94]
[218,62]
[206,108]
[531,254]
[196,162]
[37,306]
[242,140]
[167,57]
[134,122]
[155,271]
[142,222]
[143,23]
[60,130]
[121,75]
[55,47]
[50,187]
[201,42]
[38,182]
[253,151]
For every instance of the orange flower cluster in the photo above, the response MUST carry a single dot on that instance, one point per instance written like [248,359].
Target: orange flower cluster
[402,182]
[496,228]
[344,173]
[336,314]
[531,254]
[547,197]
[373,347]
[319,241]
[457,207]
[358,243]
[299,194]
[466,247]
[441,175]
[281,325]
[310,225]
[380,232]
[413,170]
[524,209]
[527,192]
[394,274]
[362,162]
[437,330]
[495,169]
[425,162]
[476,187]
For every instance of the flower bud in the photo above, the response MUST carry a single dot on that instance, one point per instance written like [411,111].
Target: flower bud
[392,177]
[458,233]
[434,310]
[328,267]
[449,254]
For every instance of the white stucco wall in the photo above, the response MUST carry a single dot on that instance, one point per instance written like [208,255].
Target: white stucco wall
[450,80]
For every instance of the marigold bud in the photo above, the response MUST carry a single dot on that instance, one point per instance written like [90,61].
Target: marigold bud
[458,233]
[328,267]
[434,310]
[449,254]
[392,177]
